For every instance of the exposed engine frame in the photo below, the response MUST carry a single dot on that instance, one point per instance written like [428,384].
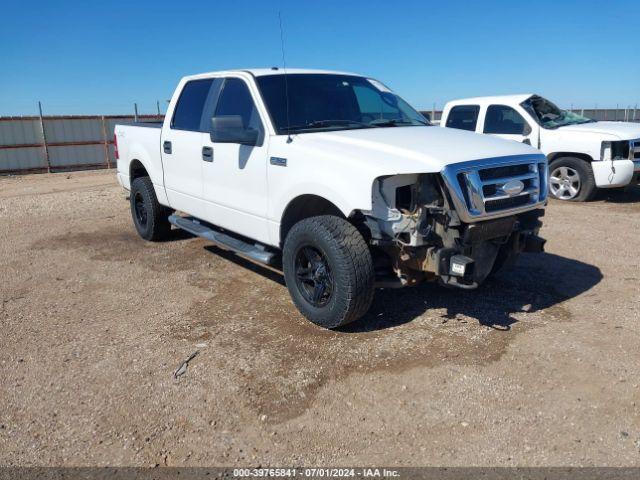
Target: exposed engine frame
[417,235]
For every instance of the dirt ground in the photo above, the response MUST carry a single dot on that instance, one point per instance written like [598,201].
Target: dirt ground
[538,367]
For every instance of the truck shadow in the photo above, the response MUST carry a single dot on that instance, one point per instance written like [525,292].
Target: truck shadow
[537,283]
[630,194]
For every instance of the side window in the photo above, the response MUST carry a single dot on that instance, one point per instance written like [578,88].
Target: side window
[235,99]
[464,117]
[504,119]
[188,111]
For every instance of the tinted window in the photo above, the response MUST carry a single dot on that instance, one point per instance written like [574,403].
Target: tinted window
[464,117]
[333,102]
[503,119]
[188,112]
[235,99]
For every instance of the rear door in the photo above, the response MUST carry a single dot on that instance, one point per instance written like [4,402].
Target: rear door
[235,175]
[181,146]
[505,122]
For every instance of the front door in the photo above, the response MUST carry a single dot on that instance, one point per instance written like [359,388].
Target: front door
[235,176]
[505,122]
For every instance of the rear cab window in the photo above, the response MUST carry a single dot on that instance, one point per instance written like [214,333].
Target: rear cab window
[463,117]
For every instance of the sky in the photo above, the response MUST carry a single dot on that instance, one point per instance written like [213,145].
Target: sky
[95,57]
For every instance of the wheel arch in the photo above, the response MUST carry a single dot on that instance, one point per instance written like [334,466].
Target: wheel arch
[552,157]
[137,169]
[305,206]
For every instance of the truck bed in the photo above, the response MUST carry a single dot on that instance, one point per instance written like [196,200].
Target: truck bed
[150,124]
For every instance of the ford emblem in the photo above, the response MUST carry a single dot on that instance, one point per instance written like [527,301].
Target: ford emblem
[513,187]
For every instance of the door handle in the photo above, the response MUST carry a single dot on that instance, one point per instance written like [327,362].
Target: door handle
[207,154]
[166,146]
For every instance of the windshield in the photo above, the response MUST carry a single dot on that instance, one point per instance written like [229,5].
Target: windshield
[333,102]
[549,115]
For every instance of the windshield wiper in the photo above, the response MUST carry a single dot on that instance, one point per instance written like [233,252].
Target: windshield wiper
[328,123]
[382,122]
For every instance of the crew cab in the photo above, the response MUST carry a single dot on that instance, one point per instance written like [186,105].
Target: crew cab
[336,180]
[584,154]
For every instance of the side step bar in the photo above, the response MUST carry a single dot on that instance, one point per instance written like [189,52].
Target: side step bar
[253,251]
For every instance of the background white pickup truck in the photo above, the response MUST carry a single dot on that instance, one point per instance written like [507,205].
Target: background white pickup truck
[583,154]
[334,178]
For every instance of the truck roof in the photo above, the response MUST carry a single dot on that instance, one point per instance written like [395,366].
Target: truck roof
[259,72]
[516,98]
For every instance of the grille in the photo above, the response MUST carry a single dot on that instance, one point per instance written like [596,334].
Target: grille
[503,172]
[502,203]
[497,187]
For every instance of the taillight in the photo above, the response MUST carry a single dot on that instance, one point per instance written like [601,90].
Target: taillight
[115,147]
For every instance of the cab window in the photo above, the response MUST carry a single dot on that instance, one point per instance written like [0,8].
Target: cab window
[505,120]
[464,117]
[235,99]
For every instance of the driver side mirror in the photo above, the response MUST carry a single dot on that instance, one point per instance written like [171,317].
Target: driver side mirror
[231,129]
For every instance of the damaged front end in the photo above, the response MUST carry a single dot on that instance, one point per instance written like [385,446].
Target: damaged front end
[457,227]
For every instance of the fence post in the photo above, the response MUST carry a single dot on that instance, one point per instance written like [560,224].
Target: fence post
[106,142]
[44,138]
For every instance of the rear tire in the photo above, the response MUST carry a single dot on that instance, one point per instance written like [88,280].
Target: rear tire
[149,217]
[328,270]
[571,179]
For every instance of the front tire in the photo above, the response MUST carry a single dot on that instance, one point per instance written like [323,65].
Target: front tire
[571,179]
[328,270]
[149,217]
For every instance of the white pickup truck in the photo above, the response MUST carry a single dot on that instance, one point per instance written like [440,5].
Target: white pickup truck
[583,154]
[336,180]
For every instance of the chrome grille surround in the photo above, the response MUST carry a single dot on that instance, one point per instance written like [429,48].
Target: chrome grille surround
[467,188]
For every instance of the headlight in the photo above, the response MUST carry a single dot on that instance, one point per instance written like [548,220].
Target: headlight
[615,150]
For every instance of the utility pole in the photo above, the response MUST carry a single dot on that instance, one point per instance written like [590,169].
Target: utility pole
[158,106]
[44,138]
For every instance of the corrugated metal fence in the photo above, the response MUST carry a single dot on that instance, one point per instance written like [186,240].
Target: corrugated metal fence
[58,143]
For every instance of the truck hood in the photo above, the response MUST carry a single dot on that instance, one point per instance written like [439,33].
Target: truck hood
[621,130]
[411,149]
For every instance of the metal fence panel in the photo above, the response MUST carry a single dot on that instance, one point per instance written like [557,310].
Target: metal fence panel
[71,130]
[17,159]
[77,155]
[20,132]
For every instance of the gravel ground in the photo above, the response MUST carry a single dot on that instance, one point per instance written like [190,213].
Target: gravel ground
[538,367]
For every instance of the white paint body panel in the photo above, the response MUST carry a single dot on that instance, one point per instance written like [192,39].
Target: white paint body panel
[585,139]
[244,193]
